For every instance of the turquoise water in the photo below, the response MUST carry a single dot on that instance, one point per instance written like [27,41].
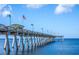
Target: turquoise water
[70,46]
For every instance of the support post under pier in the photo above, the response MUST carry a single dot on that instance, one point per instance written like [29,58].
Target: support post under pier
[15,42]
[19,40]
[22,41]
[6,44]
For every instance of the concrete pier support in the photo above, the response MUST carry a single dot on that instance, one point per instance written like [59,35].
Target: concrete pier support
[30,43]
[51,39]
[34,45]
[40,41]
[43,41]
[6,44]
[37,41]
[46,40]
[62,39]
[27,43]
[22,41]
[15,41]
[34,42]
[19,40]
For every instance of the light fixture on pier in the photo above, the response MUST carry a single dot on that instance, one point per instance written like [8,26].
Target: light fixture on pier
[42,29]
[32,26]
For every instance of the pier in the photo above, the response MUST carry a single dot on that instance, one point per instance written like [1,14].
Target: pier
[29,39]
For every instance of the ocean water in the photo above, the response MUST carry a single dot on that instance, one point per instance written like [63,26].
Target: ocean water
[70,46]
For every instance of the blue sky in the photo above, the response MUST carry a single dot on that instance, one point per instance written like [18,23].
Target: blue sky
[54,18]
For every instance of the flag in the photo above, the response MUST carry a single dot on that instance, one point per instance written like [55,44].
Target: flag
[23,17]
[32,24]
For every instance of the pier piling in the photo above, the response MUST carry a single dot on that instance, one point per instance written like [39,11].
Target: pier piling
[6,45]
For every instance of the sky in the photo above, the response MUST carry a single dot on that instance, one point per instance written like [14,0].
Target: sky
[56,19]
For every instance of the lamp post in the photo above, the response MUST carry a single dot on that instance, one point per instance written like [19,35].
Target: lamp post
[9,19]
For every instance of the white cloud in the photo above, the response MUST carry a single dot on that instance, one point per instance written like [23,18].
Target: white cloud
[64,8]
[2,6]
[6,13]
[35,5]
[5,10]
